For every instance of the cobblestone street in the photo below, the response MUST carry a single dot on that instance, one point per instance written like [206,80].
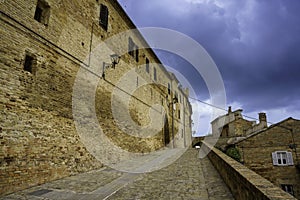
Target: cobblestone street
[187,178]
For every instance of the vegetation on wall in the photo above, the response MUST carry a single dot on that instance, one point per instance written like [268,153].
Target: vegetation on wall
[234,153]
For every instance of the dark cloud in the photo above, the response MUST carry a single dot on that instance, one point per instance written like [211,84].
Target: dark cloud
[255,44]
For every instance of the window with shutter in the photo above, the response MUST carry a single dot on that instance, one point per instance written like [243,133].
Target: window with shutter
[282,158]
[103,17]
[290,158]
[274,158]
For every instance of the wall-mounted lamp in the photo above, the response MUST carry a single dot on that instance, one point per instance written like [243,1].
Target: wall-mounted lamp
[115,59]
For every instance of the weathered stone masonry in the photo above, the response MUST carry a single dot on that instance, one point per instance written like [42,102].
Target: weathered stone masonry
[43,45]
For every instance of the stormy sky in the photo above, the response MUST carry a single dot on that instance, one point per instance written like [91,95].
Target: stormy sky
[254,43]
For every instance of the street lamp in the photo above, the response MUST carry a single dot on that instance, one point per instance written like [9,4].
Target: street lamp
[115,59]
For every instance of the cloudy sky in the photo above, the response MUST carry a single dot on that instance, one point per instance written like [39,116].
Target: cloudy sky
[254,43]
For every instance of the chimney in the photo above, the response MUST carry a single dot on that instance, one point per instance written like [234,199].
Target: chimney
[229,110]
[263,119]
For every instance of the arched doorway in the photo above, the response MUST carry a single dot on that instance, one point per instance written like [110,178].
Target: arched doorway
[166,131]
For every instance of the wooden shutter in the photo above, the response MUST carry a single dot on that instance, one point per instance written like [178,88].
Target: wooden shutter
[130,47]
[274,158]
[103,16]
[290,158]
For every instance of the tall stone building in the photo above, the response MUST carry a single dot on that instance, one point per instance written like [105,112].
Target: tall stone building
[45,44]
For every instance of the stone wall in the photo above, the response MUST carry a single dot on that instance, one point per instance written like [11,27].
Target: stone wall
[243,182]
[38,137]
[257,152]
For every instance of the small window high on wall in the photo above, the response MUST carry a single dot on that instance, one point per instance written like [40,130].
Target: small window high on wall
[42,12]
[147,65]
[133,49]
[154,74]
[103,21]
[29,63]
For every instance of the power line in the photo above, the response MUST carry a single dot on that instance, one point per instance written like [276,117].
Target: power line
[223,109]
[208,104]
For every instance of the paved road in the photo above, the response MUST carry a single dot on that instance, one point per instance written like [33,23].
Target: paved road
[187,178]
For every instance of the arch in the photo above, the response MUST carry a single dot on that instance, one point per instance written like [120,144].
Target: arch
[166,131]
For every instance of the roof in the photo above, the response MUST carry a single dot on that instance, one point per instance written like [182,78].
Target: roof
[238,110]
[265,129]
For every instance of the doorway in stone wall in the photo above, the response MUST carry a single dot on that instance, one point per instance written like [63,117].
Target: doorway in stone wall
[166,131]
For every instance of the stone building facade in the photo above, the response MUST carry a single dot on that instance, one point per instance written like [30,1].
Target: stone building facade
[45,44]
[274,154]
[232,126]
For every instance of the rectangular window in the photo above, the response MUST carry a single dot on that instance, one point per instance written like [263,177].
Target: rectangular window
[130,47]
[288,188]
[147,65]
[29,64]
[136,53]
[42,12]
[282,158]
[103,20]
[178,114]
[154,74]
[169,88]
[133,49]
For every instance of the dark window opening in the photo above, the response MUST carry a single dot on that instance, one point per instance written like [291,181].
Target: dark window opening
[288,188]
[133,49]
[130,47]
[284,161]
[169,88]
[147,65]
[136,54]
[42,12]
[29,64]
[154,74]
[103,21]
[178,114]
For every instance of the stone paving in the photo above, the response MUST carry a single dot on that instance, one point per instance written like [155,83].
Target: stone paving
[189,177]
